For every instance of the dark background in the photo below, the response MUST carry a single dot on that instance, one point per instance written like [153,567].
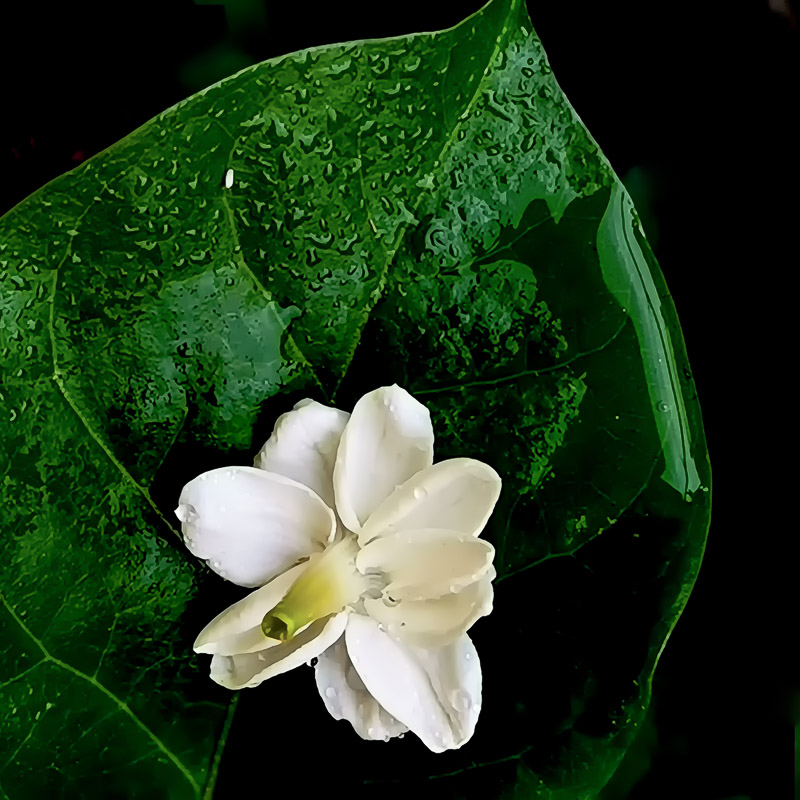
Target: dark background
[693,105]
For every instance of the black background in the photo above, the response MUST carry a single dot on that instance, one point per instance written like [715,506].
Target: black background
[693,105]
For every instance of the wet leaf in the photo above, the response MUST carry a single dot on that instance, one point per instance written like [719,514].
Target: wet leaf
[426,210]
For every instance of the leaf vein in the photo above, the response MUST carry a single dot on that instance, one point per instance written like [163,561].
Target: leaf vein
[438,162]
[527,372]
[60,383]
[121,704]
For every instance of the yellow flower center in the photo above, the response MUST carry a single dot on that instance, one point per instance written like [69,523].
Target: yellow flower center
[329,584]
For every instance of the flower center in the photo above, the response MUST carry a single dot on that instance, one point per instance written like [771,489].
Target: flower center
[329,584]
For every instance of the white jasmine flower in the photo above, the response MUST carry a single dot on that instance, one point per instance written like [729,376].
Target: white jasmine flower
[368,557]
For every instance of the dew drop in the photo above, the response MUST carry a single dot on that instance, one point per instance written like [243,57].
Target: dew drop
[475,708]
[419,493]
[662,406]
[330,692]
[186,513]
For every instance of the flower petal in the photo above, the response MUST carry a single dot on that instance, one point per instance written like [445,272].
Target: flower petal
[458,494]
[251,525]
[303,446]
[238,628]
[435,622]
[346,697]
[436,693]
[248,670]
[428,563]
[388,439]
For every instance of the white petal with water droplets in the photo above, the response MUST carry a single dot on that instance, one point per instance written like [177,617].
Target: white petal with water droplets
[458,494]
[250,669]
[303,446]
[388,439]
[428,563]
[251,525]
[435,622]
[437,694]
[346,697]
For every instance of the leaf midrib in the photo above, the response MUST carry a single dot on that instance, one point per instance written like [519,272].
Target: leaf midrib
[438,166]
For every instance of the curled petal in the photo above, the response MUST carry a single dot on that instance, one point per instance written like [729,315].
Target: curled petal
[436,693]
[238,628]
[346,697]
[435,622]
[388,439]
[251,525]
[248,670]
[428,563]
[458,494]
[303,446]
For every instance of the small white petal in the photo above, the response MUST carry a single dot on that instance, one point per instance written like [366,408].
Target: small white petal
[388,439]
[436,693]
[303,446]
[346,697]
[251,669]
[458,494]
[251,525]
[238,628]
[436,622]
[423,564]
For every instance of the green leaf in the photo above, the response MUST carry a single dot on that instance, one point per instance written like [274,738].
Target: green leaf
[427,210]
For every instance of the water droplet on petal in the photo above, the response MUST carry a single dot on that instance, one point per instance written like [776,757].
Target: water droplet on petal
[186,513]
[330,692]
[662,406]
[475,708]
[419,493]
